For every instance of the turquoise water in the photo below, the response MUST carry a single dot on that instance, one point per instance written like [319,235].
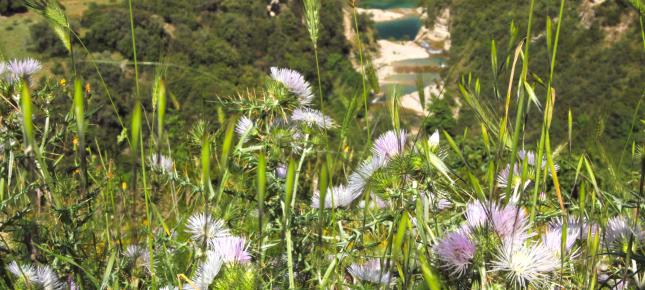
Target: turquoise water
[389,4]
[400,29]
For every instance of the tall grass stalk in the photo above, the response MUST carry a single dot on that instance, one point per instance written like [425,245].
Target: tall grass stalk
[80,124]
[363,74]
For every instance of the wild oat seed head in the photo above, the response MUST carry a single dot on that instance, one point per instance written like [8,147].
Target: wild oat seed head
[232,250]
[295,83]
[312,118]
[525,265]
[389,144]
[371,272]
[337,196]
[456,251]
[22,69]
[202,227]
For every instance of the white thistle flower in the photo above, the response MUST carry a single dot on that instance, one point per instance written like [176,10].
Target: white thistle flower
[525,265]
[244,126]
[357,181]
[312,118]
[162,163]
[371,271]
[337,196]
[204,228]
[168,287]
[48,278]
[28,272]
[295,83]
[206,272]
[42,276]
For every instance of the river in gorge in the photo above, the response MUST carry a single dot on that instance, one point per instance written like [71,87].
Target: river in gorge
[406,50]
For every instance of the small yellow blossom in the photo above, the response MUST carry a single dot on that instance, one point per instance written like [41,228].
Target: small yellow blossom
[124,185]
[62,82]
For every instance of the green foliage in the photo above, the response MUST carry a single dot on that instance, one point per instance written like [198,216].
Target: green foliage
[9,7]
[595,68]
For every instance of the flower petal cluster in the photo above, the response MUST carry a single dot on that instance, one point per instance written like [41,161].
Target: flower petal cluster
[371,271]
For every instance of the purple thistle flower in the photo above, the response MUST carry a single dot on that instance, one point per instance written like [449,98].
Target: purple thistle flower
[476,214]
[337,196]
[552,240]
[503,178]
[357,181]
[618,230]
[281,171]
[312,118]
[525,265]
[371,272]
[232,250]
[295,83]
[389,144]
[529,156]
[244,126]
[456,251]
[510,222]
[204,228]
[24,68]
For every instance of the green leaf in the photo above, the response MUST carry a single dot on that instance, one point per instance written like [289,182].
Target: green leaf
[400,234]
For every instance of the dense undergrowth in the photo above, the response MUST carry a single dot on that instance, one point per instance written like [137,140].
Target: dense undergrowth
[274,193]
